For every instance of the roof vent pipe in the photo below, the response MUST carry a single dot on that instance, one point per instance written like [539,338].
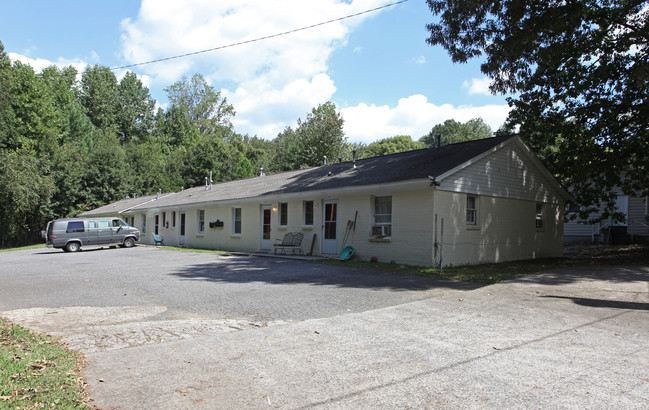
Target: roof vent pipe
[340,159]
[206,183]
[354,157]
[211,180]
[325,160]
[439,140]
[261,172]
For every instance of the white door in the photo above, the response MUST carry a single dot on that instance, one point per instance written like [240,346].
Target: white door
[181,239]
[265,228]
[330,228]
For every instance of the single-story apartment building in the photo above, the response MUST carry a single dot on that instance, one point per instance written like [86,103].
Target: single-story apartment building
[490,200]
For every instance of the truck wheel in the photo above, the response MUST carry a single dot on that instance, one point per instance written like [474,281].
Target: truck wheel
[129,242]
[73,247]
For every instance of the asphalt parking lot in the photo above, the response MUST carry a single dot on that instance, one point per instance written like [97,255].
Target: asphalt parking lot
[167,329]
[201,285]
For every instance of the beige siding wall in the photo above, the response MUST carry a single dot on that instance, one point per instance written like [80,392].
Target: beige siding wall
[509,173]
[222,238]
[575,230]
[505,230]
[411,239]
[146,237]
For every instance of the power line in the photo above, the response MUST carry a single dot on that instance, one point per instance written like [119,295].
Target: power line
[260,38]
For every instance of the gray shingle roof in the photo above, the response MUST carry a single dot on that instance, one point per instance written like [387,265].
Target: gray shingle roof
[404,166]
[122,205]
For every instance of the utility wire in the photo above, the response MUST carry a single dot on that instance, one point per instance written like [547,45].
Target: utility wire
[260,38]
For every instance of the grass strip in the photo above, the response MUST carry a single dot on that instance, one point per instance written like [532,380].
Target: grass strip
[37,372]
[195,250]
[488,274]
[22,248]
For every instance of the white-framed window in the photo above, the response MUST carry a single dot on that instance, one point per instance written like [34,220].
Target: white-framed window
[157,223]
[382,210]
[471,210]
[308,213]
[236,221]
[201,221]
[382,216]
[539,216]
[144,223]
[173,219]
[283,214]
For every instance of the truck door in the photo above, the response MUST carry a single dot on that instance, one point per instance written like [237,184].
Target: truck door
[104,232]
[91,233]
[118,230]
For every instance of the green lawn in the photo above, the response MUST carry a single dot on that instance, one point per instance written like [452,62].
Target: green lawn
[40,245]
[197,250]
[38,372]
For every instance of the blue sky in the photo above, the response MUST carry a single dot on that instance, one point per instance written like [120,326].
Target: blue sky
[376,68]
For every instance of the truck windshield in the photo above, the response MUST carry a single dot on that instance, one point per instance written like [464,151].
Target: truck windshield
[119,222]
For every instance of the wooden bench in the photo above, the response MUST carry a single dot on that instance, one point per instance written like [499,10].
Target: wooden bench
[292,241]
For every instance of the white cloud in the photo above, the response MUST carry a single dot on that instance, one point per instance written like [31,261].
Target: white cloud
[419,60]
[38,64]
[413,116]
[478,86]
[265,111]
[273,81]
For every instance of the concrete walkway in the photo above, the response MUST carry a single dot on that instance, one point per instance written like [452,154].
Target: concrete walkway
[571,338]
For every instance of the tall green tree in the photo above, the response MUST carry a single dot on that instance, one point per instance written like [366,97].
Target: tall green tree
[204,105]
[106,171]
[99,96]
[320,134]
[579,71]
[452,131]
[68,171]
[7,118]
[386,146]
[61,85]
[136,109]
[37,120]
[175,128]
[26,190]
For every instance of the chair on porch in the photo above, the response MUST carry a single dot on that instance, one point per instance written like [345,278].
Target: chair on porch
[292,240]
[283,243]
[158,240]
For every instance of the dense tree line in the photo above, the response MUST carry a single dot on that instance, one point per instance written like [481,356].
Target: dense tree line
[69,145]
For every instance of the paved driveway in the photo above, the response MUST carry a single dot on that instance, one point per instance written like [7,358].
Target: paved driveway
[157,295]
[196,331]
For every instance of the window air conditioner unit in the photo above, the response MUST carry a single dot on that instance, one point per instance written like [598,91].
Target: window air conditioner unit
[382,230]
